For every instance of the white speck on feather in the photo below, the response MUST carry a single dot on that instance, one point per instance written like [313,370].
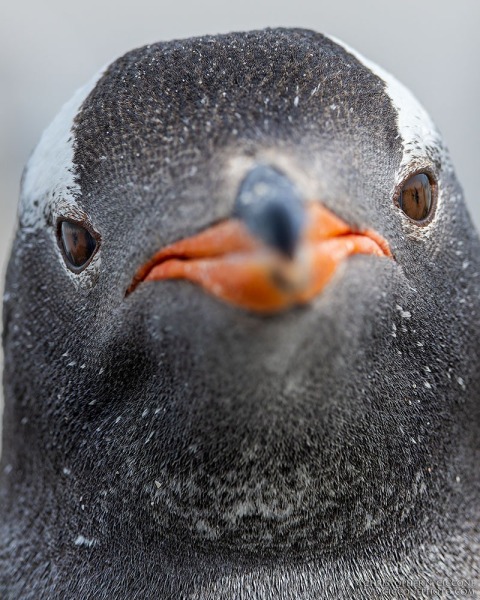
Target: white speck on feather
[296,101]
[81,540]
[405,314]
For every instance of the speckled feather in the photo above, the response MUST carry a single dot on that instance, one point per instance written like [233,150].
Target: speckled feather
[166,445]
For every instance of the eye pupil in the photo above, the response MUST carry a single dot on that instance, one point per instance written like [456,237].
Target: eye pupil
[416,197]
[78,244]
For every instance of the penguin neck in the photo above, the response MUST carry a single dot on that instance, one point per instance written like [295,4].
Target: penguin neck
[36,489]
[99,519]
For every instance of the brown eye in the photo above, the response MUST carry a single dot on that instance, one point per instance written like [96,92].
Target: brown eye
[78,245]
[416,197]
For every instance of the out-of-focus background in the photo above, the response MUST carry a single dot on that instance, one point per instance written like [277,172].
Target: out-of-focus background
[48,48]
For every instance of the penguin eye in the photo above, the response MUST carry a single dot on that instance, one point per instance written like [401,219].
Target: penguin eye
[77,243]
[416,198]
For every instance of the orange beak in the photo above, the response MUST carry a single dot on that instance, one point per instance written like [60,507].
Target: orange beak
[233,265]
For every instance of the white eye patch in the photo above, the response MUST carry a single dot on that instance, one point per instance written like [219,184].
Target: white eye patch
[50,187]
[421,140]
[49,182]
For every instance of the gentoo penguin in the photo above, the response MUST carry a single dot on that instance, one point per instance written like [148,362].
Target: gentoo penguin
[241,328]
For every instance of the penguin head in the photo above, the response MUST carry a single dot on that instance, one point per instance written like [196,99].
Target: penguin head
[206,412]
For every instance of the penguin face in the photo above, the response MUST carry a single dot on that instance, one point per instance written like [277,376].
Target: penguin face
[200,419]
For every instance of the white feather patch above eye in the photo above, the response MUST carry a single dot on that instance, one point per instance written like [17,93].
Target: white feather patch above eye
[50,176]
[422,142]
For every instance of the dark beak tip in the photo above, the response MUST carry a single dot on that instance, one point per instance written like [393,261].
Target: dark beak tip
[272,208]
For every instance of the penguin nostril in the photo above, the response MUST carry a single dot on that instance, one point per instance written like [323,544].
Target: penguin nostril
[272,208]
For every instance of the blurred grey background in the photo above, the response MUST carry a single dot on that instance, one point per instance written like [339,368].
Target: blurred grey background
[48,48]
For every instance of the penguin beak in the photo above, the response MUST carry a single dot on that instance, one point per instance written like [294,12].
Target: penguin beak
[245,262]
